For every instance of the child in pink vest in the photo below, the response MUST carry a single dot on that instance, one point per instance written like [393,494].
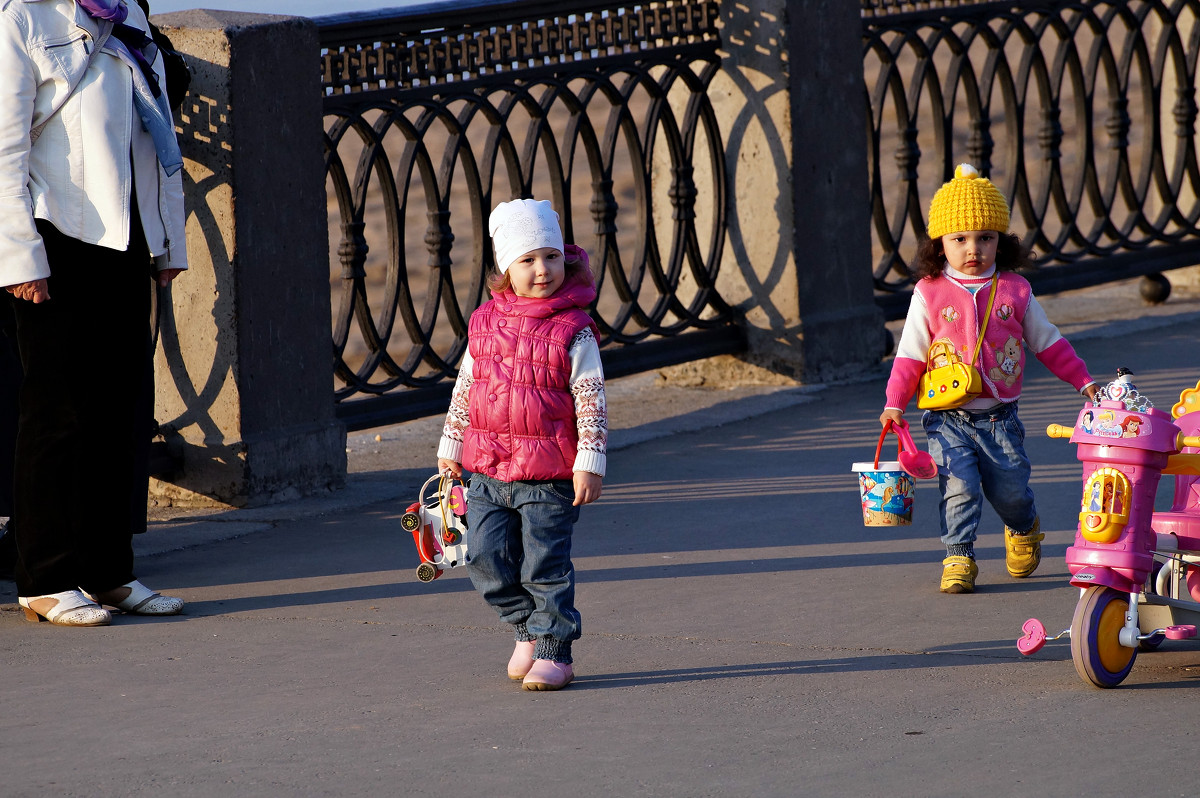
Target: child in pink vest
[528,418]
[979,446]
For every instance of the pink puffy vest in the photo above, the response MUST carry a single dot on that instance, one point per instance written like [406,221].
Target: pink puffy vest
[522,412]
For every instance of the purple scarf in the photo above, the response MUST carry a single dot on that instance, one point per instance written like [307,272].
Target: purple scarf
[139,51]
[136,42]
[111,10]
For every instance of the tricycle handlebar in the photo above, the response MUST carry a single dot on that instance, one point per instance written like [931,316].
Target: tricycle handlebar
[1059,431]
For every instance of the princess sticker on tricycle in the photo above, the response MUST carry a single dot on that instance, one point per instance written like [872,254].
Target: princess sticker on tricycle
[1106,424]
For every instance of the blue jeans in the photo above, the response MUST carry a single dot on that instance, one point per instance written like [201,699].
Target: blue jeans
[519,558]
[980,455]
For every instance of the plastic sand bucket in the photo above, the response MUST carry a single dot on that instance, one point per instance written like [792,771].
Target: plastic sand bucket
[886,490]
[887,493]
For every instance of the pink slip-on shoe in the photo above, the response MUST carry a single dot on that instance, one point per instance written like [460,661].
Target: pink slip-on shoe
[521,661]
[548,675]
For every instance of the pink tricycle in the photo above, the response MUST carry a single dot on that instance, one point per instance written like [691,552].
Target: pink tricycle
[1138,570]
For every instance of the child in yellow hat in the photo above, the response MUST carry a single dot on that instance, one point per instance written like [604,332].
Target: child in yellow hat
[968,284]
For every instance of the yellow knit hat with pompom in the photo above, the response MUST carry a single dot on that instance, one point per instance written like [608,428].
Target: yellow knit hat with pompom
[968,202]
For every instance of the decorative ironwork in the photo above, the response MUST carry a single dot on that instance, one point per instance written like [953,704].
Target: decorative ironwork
[892,8]
[1082,112]
[599,107]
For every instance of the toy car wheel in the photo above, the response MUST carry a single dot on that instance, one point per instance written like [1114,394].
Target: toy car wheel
[410,522]
[427,572]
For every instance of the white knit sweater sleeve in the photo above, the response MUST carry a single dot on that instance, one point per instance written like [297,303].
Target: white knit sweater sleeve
[591,412]
[459,416]
[915,338]
[1040,332]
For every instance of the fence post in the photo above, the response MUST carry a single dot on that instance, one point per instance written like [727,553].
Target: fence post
[243,374]
[791,103]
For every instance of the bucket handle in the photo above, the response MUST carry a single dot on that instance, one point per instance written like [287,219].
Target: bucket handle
[912,459]
[887,427]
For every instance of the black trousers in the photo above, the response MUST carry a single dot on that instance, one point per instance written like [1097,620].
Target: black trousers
[10,385]
[86,408]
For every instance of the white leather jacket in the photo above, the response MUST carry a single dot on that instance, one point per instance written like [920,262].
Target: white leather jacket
[91,151]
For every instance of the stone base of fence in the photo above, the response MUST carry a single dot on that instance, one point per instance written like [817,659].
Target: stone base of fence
[244,383]
[796,265]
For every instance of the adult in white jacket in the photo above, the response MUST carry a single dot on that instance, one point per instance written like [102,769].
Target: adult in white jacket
[91,209]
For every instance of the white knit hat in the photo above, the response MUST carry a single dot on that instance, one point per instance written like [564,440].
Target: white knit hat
[522,226]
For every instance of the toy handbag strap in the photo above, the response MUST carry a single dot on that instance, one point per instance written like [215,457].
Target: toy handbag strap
[987,314]
[442,493]
[943,348]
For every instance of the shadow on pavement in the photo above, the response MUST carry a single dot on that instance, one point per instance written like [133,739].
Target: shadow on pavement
[857,664]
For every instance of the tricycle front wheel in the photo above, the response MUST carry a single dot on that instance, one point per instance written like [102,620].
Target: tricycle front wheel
[1095,637]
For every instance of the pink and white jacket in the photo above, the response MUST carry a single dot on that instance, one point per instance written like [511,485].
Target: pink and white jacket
[529,401]
[944,308]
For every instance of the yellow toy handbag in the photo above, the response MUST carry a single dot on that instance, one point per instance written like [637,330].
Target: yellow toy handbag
[954,383]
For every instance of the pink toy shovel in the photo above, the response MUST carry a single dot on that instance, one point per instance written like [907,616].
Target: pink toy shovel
[916,462]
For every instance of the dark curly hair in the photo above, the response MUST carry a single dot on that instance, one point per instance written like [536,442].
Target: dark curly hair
[1011,256]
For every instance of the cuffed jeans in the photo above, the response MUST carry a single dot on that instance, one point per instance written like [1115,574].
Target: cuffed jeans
[980,455]
[519,557]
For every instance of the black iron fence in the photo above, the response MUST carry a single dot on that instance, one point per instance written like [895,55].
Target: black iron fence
[434,117]
[1083,113]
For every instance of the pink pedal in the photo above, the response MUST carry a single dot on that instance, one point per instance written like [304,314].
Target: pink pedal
[1034,639]
[1180,631]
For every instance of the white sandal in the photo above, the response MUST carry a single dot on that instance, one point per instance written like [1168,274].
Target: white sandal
[140,600]
[68,608]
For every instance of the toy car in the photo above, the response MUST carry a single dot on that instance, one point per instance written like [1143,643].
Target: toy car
[438,523]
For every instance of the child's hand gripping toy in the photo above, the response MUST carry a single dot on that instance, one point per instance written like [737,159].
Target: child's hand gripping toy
[438,522]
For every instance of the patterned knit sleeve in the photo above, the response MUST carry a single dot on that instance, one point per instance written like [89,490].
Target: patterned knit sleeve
[459,416]
[591,412]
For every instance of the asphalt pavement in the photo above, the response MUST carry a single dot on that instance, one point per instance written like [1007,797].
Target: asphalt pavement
[744,633]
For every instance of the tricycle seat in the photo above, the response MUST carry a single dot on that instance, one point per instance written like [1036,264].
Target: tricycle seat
[1184,527]
[1183,519]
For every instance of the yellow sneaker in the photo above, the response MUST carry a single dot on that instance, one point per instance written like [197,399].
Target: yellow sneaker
[1023,553]
[958,575]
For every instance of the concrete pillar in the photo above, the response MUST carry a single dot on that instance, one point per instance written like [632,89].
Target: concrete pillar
[244,370]
[798,263]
